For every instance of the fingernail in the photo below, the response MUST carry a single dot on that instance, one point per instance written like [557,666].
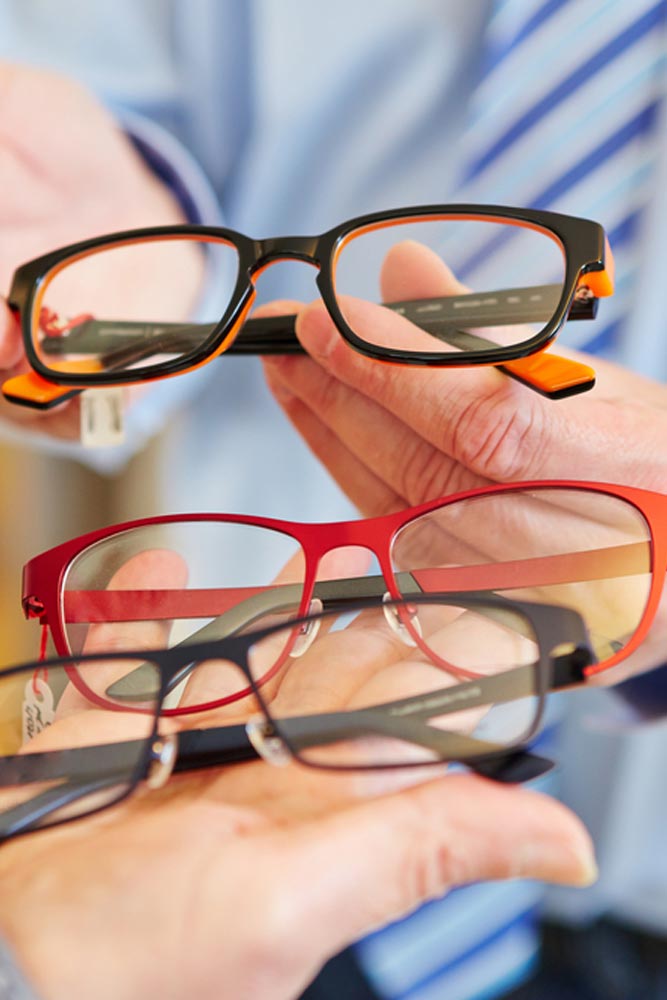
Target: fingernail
[572,865]
[584,852]
[583,871]
[589,870]
[316,331]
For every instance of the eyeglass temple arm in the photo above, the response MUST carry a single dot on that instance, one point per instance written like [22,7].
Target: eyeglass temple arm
[199,748]
[610,562]
[442,316]
[91,769]
[335,595]
[26,816]
[232,614]
[548,374]
[240,607]
[263,336]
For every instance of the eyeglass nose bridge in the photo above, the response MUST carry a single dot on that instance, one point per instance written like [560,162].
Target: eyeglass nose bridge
[269,251]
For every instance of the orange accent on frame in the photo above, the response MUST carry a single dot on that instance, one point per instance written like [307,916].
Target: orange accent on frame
[550,372]
[33,387]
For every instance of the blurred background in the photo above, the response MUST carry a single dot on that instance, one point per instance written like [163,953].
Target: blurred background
[44,500]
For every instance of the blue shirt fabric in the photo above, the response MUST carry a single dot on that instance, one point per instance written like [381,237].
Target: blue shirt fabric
[13,986]
[288,118]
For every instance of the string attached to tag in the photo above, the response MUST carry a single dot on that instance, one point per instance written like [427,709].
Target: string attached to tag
[102,418]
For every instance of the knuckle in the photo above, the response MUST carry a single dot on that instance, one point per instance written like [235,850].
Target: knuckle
[425,474]
[500,436]
[435,866]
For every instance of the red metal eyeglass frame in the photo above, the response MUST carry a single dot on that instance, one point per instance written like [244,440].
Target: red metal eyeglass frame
[43,576]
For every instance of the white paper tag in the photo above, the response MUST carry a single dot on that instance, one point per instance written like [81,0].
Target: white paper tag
[102,417]
[37,710]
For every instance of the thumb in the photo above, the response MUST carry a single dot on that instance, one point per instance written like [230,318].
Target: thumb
[394,854]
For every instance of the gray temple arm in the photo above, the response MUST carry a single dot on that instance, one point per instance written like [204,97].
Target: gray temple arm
[86,770]
[334,594]
[123,342]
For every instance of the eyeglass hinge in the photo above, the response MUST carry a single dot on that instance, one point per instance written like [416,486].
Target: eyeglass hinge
[32,607]
[570,668]
[584,304]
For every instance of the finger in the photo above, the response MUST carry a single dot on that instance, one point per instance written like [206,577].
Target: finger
[396,853]
[476,417]
[11,346]
[277,307]
[157,570]
[337,665]
[392,451]
[62,421]
[381,413]
[367,490]
[412,270]
[494,427]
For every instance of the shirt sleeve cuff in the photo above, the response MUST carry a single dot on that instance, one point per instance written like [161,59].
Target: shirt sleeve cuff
[13,985]
[173,164]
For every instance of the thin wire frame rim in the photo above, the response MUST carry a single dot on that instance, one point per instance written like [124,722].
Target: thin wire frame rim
[44,574]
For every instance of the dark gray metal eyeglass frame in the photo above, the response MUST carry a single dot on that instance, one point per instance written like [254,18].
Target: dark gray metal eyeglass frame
[86,770]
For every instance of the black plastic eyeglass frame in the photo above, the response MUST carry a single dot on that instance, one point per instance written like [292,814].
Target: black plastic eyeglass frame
[583,243]
[86,770]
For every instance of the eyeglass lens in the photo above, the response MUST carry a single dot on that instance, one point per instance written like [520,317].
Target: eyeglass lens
[505,287]
[577,549]
[132,306]
[46,712]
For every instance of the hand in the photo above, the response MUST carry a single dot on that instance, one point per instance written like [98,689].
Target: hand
[253,876]
[243,878]
[394,436]
[255,883]
[66,173]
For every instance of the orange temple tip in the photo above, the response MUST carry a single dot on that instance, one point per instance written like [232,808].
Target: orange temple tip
[551,375]
[34,391]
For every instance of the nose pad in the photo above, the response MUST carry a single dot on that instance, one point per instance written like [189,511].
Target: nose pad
[163,758]
[396,619]
[307,632]
[266,741]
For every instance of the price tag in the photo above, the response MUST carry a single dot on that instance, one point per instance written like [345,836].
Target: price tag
[37,710]
[102,418]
